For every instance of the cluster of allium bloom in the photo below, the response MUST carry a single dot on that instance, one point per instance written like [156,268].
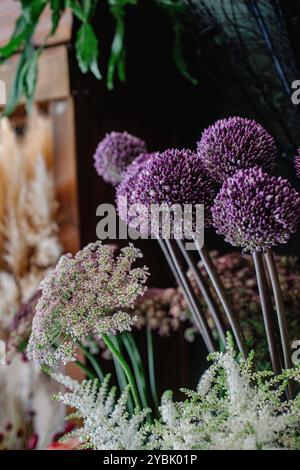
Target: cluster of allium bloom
[297,163]
[256,211]
[161,310]
[114,153]
[174,178]
[125,190]
[86,295]
[233,144]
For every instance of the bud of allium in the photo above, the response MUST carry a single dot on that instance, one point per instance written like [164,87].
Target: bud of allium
[175,177]
[256,211]
[297,163]
[85,296]
[125,190]
[234,144]
[114,153]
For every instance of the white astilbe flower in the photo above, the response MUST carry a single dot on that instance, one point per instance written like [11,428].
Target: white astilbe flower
[85,296]
[106,423]
[233,408]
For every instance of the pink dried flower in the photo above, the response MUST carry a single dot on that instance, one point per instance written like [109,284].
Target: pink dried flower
[86,295]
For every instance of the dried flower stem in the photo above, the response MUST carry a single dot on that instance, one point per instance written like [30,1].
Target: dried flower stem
[207,295]
[220,290]
[191,298]
[126,369]
[269,256]
[267,309]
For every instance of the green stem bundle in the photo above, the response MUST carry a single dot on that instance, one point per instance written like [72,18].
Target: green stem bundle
[125,367]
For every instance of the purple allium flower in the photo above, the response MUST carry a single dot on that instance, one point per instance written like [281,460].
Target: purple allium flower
[297,164]
[235,144]
[175,177]
[124,191]
[255,210]
[114,153]
[85,296]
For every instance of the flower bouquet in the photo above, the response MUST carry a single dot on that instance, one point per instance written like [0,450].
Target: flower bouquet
[93,300]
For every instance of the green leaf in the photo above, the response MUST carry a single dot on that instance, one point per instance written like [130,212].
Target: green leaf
[57,7]
[25,79]
[15,43]
[30,78]
[17,88]
[25,26]
[87,50]
[117,54]
[178,54]
[77,9]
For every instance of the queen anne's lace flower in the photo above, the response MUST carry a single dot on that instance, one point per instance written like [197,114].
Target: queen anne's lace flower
[256,211]
[86,295]
[114,153]
[233,144]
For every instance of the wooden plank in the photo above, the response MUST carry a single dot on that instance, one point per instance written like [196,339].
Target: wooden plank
[65,171]
[10,11]
[53,78]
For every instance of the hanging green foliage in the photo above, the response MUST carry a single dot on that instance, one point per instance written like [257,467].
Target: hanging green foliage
[86,43]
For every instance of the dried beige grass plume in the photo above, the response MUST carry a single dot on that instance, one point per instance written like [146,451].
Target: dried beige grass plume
[29,244]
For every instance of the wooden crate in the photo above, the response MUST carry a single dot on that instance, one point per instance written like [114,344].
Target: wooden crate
[53,95]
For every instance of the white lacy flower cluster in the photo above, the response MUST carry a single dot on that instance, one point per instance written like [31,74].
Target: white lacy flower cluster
[232,408]
[85,296]
[106,423]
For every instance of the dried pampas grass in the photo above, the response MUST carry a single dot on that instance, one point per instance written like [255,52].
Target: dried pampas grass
[29,244]
[29,249]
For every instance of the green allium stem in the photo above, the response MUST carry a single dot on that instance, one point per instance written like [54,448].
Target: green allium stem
[125,367]
[222,294]
[275,281]
[268,312]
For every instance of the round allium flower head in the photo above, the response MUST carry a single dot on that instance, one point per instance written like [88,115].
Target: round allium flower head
[297,164]
[174,177]
[235,144]
[255,210]
[125,190]
[114,153]
[86,295]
